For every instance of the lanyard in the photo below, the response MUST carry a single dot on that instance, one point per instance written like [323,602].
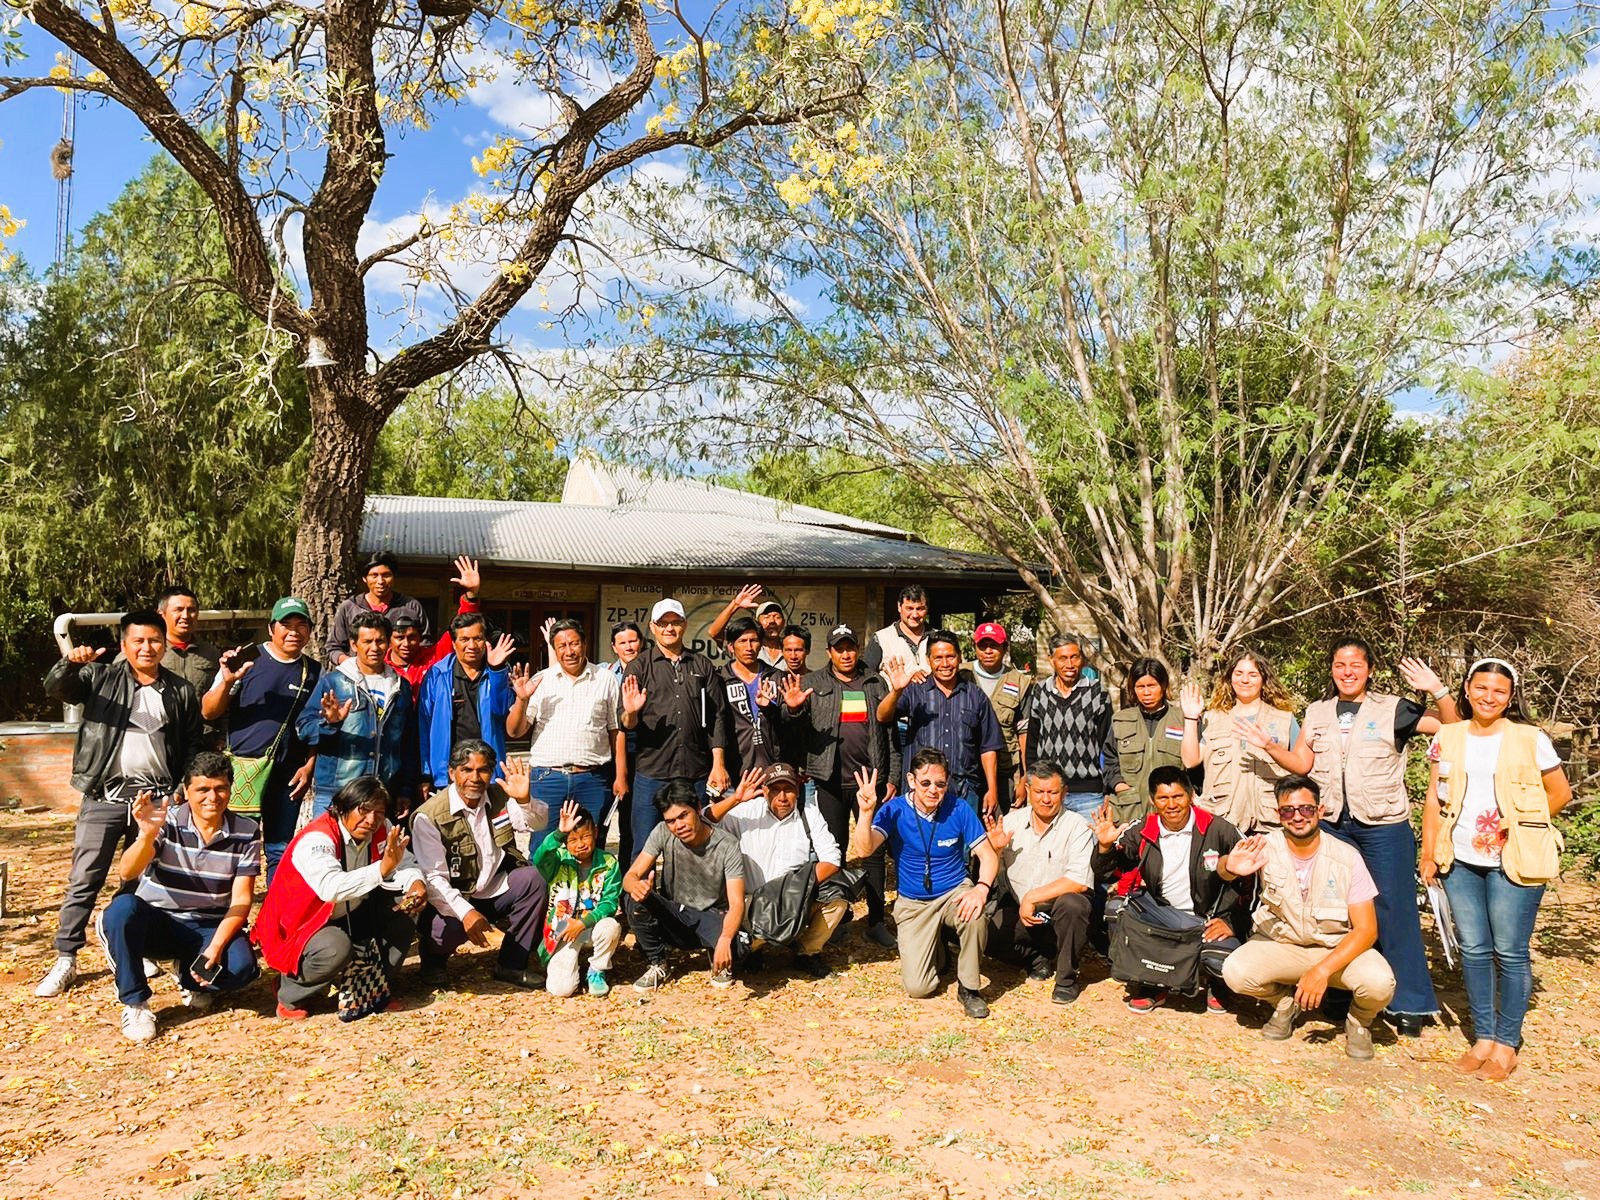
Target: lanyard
[929,836]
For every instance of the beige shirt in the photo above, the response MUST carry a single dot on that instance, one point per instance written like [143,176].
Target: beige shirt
[1034,859]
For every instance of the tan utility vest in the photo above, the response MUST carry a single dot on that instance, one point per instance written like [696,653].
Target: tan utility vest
[1532,853]
[1239,780]
[1006,702]
[1320,917]
[1365,771]
[460,848]
[1139,752]
[895,644]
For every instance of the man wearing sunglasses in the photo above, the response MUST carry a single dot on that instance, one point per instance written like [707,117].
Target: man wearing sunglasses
[1315,923]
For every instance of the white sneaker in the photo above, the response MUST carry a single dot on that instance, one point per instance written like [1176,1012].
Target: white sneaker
[62,976]
[151,968]
[199,1001]
[138,1023]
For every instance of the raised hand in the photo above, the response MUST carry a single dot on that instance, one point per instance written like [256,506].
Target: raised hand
[518,780]
[148,815]
[749,595]
[1248,856]
[794,696]
[766,692]
[1192,701]
[1420,676]
[999,836]
[467,574]
[899,674]
[866,791]
[333,712]
[394,850]
[504,647]
[750,783]
[84,654]
[525,681]
[1252,732]
[569,817]
[1106,831]
[549,624]
[633,696]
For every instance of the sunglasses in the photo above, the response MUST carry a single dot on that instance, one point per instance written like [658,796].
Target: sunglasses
[1297,810]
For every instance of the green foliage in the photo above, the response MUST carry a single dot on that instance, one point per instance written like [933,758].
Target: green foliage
[483,446]
[1580,825]
[149,431]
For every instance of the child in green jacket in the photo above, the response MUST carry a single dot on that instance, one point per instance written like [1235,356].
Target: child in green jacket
[585,887]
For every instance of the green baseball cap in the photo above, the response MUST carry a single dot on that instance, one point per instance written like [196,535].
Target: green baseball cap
[290,606]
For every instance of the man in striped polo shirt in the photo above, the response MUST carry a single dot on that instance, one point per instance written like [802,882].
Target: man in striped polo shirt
[196,864]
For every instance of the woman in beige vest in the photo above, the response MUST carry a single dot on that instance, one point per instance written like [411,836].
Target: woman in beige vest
[1247,738]
[1487,828]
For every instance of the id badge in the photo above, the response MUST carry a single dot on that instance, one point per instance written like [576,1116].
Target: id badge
[455,866]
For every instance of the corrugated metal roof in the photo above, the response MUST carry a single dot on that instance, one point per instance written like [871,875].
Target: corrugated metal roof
[589,481]
[594,537]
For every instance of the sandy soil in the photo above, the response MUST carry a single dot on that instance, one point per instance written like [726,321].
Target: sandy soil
[777,1088]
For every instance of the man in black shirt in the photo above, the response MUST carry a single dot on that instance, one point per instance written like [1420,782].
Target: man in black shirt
[671,696]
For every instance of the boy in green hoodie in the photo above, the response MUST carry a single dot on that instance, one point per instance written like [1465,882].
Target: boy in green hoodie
[585,886]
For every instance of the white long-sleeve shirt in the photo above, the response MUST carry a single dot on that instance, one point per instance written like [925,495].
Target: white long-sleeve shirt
[346,882]
[429,845]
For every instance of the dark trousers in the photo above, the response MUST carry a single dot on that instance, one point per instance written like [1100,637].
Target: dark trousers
[519,911]
[103,829]
[136,930]
[1062,938]
[1390,852]
[836,803]
[328,952]
[645,816]
[658,924]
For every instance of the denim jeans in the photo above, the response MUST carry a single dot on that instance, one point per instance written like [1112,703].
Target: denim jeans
[1085,804]
[645,816]
[136,930]
[1390,852]
[554,788]
[1494,923]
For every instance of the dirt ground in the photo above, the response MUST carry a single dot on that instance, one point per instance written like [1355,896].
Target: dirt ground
[777,1088]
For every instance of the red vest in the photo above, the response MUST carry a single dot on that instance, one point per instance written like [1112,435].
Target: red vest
[292,913]
[1133,880]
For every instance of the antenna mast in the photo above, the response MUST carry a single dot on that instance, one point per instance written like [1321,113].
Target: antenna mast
[61,167]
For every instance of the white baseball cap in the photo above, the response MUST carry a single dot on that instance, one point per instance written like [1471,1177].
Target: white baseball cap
[663,607]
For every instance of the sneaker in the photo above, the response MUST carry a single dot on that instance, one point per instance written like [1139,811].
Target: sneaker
[152,968]
[1357,1040]
[655,975]
[60,977]
[1214,1004]
[597,983]
[138,1023]
[972,1003]
[100,936]
[812,965]
[880,934]
[1280,1026]
[722,978]
[1064,993]
[199,1001]
[1147,1001]
[285,1013]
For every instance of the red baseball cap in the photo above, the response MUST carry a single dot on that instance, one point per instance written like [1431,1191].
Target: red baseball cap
[989,632]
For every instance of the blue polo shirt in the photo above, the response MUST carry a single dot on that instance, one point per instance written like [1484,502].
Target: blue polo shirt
[962,725]
[930,854]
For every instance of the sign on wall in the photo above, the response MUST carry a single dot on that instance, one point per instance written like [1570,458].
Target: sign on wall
[815,609]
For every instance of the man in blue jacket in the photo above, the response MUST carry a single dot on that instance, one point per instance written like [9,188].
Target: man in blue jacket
[466,696]
[360,720]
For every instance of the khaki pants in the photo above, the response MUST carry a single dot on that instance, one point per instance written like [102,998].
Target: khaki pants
[1269,970]
[825,918]
[561,976]
[918,925]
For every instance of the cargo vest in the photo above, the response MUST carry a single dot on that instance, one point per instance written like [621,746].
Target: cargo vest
[1365,771]
[1139,752]
[1006,702]
[460,849]
[1532,853]
[895,644]
[1320,917]
[1239,781]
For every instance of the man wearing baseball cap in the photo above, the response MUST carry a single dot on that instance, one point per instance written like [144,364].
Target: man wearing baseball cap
[769,615]
[1006,687]
[777,833]
[670,695]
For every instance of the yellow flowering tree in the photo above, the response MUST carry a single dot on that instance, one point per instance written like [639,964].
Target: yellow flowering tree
[286,116]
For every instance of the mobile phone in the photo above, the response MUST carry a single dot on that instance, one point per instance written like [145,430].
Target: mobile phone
[249,652]
[1042,917]
[202,972]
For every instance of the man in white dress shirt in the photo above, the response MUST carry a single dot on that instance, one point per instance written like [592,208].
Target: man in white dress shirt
[464,839]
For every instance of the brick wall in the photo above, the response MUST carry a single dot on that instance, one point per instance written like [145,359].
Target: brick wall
[36,766]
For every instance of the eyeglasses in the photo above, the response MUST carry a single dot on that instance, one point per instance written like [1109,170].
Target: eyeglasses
[930,785]
[1288,811]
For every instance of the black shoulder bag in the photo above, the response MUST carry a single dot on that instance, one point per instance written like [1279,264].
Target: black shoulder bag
[779,909]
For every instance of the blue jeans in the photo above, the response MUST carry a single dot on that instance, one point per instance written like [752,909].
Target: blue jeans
[554,788]
[645,816]
[1390,852]
[1494,923]
[136,930]
[1085,804]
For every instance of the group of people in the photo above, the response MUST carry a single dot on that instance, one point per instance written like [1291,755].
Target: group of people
[1026,817]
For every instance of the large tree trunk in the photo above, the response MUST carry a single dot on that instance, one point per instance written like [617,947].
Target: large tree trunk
[345,429]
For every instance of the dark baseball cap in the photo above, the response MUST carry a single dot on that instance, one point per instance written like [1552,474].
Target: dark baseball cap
[783,773]
[842,633]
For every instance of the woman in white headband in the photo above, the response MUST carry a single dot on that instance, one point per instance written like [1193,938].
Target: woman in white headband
[1488,831]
